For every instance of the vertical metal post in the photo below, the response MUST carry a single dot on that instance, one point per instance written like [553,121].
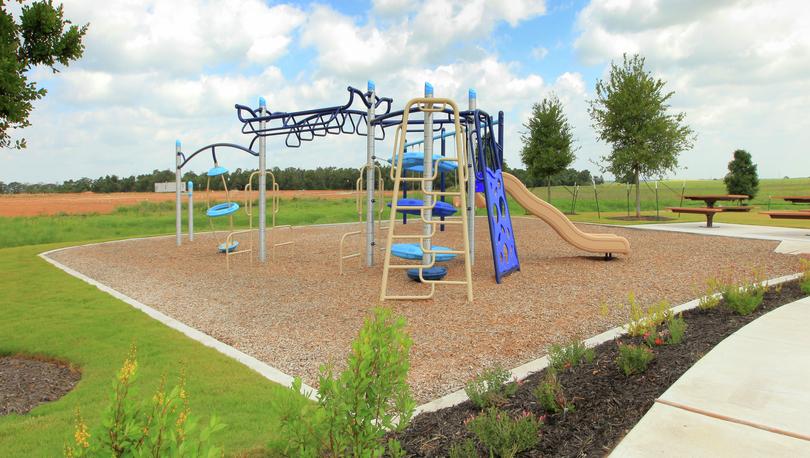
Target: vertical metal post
[262,184]
[441,174]
[190,191]
[427,186]
[178,206]
[370,243]
[472,98]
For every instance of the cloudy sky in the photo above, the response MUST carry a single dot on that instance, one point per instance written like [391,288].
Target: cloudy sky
[156,71]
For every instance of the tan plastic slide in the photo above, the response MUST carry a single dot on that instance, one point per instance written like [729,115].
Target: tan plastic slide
[592,243]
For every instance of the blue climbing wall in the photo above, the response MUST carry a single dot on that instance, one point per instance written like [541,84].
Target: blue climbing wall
[489,174]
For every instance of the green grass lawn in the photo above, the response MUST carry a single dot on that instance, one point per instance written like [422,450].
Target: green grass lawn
[48,312]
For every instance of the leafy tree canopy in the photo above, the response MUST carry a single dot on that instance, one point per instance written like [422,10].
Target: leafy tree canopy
[40,36]
[631,113]
[548,143]
[742,175]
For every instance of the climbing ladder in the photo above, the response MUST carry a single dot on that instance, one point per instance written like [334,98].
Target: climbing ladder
[489,180]
[360,204]
[424,251]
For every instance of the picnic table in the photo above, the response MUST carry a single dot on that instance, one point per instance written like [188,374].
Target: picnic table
[711,199]
[796,199]
[801,214]
[710,210]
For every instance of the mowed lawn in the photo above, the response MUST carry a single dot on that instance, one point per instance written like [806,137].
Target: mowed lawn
[47,312]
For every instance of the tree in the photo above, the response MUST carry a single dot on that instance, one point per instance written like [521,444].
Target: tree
[548,147]
[742,175]
[39,38]
[631,113]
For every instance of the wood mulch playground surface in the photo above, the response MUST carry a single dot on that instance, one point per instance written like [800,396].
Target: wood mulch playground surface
[297,312]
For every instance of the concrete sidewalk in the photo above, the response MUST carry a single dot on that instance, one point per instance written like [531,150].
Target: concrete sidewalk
[794,241]
[749,396]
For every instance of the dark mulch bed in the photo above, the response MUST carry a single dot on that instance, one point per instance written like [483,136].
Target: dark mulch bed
[607,404]
[641,218]
[27,382]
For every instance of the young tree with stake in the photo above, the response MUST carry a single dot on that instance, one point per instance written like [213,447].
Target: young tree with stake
[631,113]
[548,143]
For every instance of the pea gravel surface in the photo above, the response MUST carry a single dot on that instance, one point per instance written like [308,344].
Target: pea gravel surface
[297,313]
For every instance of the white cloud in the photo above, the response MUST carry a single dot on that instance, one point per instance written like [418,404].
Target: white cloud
[539,52]
[740,70]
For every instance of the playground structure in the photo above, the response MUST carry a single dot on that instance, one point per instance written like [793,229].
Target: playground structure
[474,166]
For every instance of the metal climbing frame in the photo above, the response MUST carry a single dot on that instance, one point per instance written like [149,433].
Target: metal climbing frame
[377,207]
[275,198]
[429,106]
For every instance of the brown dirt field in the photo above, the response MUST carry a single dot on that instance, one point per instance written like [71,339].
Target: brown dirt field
[89,202]
[297,313]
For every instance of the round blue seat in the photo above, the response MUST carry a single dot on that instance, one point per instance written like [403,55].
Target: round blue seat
[223,209]
[440,209]
[414,162]
[413,252]
[231,248]
[217,171]
[433,273]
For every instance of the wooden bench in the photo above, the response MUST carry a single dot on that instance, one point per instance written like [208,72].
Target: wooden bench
[801,214]
[709,212]
[740,208]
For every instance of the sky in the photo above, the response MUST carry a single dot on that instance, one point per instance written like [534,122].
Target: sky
[157,71]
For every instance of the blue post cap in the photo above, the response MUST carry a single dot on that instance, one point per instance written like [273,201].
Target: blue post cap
[177,144]
[262,102]
[472,94]
[428,89]
[371,85]
[190,186]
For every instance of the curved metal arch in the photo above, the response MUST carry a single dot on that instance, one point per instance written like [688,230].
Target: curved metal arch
[213,148]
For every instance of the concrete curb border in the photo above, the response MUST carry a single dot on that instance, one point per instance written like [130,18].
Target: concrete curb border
[523,371]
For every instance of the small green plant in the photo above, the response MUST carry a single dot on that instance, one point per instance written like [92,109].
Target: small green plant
[634,359]
[646,320]
[504,436]
[676,327]
[163,426]
[356,409]
[711,298]
[550,394]
[743,299]
[491,387]
[563,357]
[805,280]
[463,449]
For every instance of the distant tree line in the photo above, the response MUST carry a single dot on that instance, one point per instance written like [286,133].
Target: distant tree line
[287,178]
[567,177]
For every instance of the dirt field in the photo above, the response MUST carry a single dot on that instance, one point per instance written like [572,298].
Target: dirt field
[89,202]
[297,313]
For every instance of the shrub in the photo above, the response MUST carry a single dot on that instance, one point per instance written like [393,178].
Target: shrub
[464,449]
[563,357]
[503,436]
[676,326]
[646,320]
[490,388]
[743,300]
[742,175]
[550,394]
[162,426]
[356,409]
[634,359]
